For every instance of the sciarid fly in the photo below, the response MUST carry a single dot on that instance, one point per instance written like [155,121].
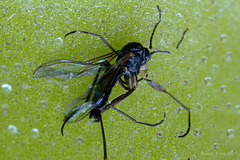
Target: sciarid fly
[131,61]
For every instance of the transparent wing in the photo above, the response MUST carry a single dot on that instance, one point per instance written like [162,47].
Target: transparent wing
[80,107]
[77,109]
[65,68]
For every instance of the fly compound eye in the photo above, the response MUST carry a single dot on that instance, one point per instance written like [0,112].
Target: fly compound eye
[147,55]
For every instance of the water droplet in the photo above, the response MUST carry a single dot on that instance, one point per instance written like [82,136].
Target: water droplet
[5,109]
[237,107]
[186,82]
[147,153]
[12,129]
[57,6]
[228,56]
[215,145]
[230,133]
[181,132]
[35,133]
[236,78]
[7,88]
[18,66]
[65,86]
[209,46]
[224,38]
[43,104]
[40,10]
[223,88]
[199,106]
[42,44]
[58,41]
[79,140]
[4,69]
[25,86]
[84,10]
[66,19]
[204,59]
[214,67]
[213,2]
[197,132]
[159,134]
[215,107]
[228,105]
[129,151]
[179,110]
[208,81]
[169,83]
[90,86]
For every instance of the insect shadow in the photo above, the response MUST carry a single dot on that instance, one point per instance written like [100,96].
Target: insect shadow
[131,61]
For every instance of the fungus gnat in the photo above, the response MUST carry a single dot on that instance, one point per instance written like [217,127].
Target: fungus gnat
[131,61]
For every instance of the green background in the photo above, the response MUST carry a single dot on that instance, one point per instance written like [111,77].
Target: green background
[32,33]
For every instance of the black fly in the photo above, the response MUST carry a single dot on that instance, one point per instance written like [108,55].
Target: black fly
[131,61]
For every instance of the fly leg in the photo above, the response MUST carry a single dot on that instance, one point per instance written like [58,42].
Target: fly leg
[122,97]
[97,116]
[123,84]
[159,88]
[93,34]
[104,139]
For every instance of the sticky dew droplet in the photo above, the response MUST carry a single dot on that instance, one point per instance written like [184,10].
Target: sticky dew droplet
[224,38]
[5,109]
[237,107]
[43,104]
[197,132]
[228,56]
[208,81]
[214,67]
[65,86]
[7,88]
[215,145]
[79,139]
[230,133]
[198,106]
[204,59]
[18,66]
[34,133]
[4,69]
[179,110]
[40,10]
[215,107]
[186,82]
[228,105]
[159,135]
[12,129]
[223,88]
[58,41]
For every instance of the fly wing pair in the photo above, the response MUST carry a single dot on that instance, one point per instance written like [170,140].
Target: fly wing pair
[80,107]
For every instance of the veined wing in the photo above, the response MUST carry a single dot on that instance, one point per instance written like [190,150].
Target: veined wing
[80,107]
[77,109]
[65,68]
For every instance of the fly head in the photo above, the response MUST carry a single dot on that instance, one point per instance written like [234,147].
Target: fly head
[137,50]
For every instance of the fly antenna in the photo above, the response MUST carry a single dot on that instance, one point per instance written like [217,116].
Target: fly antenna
[160,52]
[182,38]
[155,26]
